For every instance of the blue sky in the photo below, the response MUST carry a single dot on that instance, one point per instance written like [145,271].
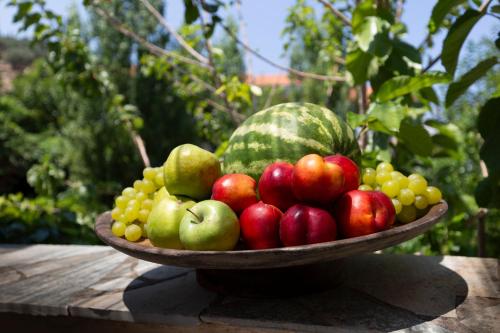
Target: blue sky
[266,18]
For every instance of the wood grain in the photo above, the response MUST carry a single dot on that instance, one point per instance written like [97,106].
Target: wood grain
[271,258]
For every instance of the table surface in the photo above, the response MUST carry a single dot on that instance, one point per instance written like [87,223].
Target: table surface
[383,292]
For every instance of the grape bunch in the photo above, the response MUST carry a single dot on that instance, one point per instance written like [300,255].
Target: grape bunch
[132,207]
[411,196]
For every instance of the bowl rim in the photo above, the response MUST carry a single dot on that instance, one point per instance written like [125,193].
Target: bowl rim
[405,231]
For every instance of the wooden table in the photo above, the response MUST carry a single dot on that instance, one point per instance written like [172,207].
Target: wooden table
[49,288]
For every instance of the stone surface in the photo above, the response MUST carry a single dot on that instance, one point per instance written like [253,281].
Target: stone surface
[377,292]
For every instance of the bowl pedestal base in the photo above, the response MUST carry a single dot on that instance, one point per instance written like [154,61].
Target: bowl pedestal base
[272,282]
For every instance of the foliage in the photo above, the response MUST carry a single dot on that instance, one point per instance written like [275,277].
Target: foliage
[42,220]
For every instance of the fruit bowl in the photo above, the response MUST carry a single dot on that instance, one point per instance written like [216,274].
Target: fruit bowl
[270,258]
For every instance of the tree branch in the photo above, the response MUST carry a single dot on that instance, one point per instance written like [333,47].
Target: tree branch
[141,147]
[336,12]
[172,31]
[484,6]
[431,63]
[215,75]
[118,25]
[399,10]
[283,68]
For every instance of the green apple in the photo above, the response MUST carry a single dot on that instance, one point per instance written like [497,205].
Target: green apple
[164,220]
[209,225]
[191,171]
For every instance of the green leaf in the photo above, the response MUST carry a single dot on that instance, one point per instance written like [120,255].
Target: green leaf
[361,65]
[355,119]
[404,84]
[210,7]
[456,89]
[362,10]
[191,12]
[439,12]
[430,95]
[456,37]
[415,138]
[31,19]
[22,9]
[371,36]
[369,8]
[495,9]
[385,117]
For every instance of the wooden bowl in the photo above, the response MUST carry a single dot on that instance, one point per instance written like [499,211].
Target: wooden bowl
[271,258]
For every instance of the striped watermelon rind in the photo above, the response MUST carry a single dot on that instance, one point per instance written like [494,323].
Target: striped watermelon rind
[287,132]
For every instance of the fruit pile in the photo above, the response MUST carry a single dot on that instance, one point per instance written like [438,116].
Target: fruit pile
[411,196]
[189,204]
[287,178]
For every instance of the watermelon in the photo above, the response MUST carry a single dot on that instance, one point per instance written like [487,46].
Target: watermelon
[287,132]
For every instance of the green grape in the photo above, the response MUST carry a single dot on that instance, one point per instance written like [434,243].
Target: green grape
[135,204]
[369,176]
[406,196]
[391,188]
[400,178]
[377,188]
[417,185]
[130,214]
[415,176]
[138,185]
[141,196]
[133,232]
[365,187]
[397,205]
[129,192]
[115,213]
[385,166]
[122,218]
[118,229]
[144,230]
[147,204]
[433,195]
[407,214]
[149,173]
[143,215]
[421,202]
[382,177]
[159,179]
[121,201]
[148,186]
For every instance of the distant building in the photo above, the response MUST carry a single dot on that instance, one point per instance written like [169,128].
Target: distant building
[269,80]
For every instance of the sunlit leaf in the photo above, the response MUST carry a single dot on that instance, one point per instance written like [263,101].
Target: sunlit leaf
[404,84]
[385,117]
[439,12]
[455,38]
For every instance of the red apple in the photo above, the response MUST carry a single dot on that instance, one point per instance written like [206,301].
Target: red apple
[237,190]
[275,185]
[303,224]
[361,213]
[350,169]
[260,226]
[317,181]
